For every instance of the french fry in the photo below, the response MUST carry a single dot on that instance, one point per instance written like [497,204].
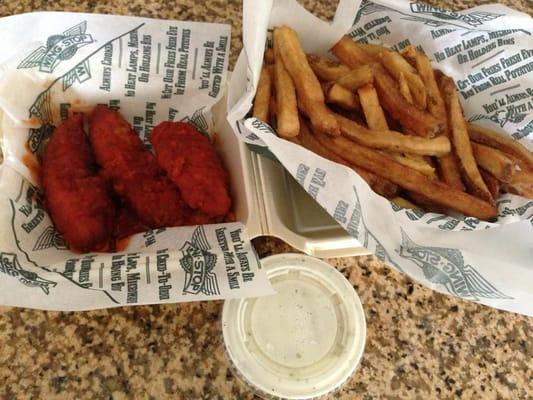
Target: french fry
[295,140]
[492,183]
[415,162]
[379,185]
[287,123]
[521,184]
[411,118]
[461,142]
[435,103]
[396,65]
[350,54]
[490,138]
[404,203]
[269,56]
[262,95]
[420,122]
[356,78]
[448,168]
[327,70]
[391,140]
[414,181]
[336,94]
[309,92]
[426,204]
[494,161]
[404,88]
[375,118]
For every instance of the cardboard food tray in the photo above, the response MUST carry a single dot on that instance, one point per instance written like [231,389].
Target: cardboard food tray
[271,203]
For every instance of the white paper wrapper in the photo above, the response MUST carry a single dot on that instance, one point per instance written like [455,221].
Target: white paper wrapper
[152,70]
[489,263]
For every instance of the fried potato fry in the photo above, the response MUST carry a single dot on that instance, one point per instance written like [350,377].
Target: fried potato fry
[379,185]
[287,124]
[309,92]
[396,66]
[494,161]
[356,78]
[448,168]
[404,88]
[426,204]
[490,138]
[393,141]
[521,184]
[420,122]
[262,95]
[375,118]
[404,203]
[435,102]
[492,183]
[327,70]
[413,161]
[336,94]
[461,142]
[269,56]
[414,181]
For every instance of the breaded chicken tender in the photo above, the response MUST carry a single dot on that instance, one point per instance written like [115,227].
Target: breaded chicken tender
[192,163]
[133,171]
[75,196]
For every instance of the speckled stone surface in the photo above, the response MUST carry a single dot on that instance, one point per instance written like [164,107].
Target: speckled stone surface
[421,345]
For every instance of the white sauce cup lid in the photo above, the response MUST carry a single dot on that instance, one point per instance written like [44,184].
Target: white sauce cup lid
[303,342]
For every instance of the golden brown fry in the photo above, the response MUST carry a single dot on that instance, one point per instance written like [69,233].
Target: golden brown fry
[449,171]
[490,138]
[435,103]
[356,78]
[420,122]
[287,124]
[295,140]
[494,161]
[521,184]
[414,181]
[426,204]
[269,56]
[396,65]
[492,183]
[375,118]
[262,96]
[379,185]
[272,109]
[336,94]
[461,142]
[326,69]
[404,203]
[448,168]
[309,92]
[413,161]
[404,88]
[391,140]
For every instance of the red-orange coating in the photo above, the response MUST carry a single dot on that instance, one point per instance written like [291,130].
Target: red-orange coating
[192,163]
[76,198]
[133,171]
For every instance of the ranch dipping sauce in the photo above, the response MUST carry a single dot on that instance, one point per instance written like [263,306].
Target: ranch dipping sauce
[302,342]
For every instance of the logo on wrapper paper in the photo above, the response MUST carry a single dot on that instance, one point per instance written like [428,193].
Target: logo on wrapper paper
[58,48]
[9,265]
[475,18]
[198,264]
[446,266]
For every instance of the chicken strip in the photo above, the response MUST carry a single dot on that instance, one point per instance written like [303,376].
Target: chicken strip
[133,171]
[192,163]
[76,197]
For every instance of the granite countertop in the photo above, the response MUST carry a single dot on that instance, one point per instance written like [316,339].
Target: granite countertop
[420,344]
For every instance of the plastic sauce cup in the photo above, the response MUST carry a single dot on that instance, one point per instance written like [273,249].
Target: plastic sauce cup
[303,342]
